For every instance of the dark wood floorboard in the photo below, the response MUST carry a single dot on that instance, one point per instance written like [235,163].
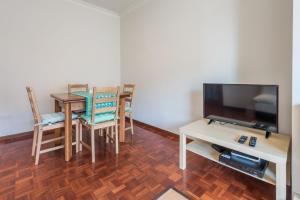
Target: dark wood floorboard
[140,171]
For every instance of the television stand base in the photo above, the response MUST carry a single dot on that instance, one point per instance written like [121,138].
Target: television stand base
[275,149]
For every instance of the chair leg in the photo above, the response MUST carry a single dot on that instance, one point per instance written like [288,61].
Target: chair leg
[93,144]
[111,133]
[80,136]
[131,124]
[117,139]
[39,143]
[101,132]
[77,137]
[34,141]
[107,133]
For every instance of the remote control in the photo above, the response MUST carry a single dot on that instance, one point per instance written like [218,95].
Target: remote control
[252,141]
[242,139]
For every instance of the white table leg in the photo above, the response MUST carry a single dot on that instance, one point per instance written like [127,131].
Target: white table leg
[280,181]
[182,154]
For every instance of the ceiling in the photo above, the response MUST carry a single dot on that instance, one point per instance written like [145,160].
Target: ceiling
[114,5]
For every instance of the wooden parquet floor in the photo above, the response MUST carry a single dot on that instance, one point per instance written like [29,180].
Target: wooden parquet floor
[141,171]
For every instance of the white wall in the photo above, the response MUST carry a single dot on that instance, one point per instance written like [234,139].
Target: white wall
[296,100]
[41,42]
[170,47]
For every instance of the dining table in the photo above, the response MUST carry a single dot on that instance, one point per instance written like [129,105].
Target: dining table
[72,102]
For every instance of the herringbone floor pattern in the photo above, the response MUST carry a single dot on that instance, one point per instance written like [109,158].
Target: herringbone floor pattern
[141,171]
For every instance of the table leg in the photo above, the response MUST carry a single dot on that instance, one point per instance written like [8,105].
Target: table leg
[57,131]
[68,132]
[122,120]
[280,181]
[182,153]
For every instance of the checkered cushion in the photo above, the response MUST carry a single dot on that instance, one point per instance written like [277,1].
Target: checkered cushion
[99,118]
[53,118]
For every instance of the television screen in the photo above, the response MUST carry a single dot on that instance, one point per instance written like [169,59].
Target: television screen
[249,105]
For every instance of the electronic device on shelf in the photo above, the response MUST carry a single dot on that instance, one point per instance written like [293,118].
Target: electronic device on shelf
[252,141]
[244,162]
[254,106]
[242,139]
[237,154]
[219,148]
[249,164]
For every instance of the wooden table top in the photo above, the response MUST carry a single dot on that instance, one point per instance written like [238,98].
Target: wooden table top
[69,98]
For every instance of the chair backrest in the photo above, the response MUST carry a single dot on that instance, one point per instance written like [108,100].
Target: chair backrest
[105,99]
[78,87]
[129,88]
[34,107]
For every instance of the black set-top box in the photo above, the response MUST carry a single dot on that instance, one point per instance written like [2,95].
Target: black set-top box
[246,163]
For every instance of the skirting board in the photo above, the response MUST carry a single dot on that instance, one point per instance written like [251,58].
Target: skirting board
[29,134]
[16,137]
[159,131]
[19,137]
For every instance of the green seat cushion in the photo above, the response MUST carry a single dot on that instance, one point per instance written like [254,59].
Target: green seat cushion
[99,118]
[53,118]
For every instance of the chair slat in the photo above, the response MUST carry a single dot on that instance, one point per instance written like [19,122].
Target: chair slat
[106,90]
[106,100]
[52,149]
[52,140]
[105,110]
[78,87]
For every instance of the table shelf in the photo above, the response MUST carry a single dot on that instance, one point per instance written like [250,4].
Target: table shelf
[204,149]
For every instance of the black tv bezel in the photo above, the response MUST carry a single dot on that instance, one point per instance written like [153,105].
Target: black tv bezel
[268,85]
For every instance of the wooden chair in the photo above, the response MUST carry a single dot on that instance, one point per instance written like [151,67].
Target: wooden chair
[78,87]
[129,88]
[47,122]
[105,108]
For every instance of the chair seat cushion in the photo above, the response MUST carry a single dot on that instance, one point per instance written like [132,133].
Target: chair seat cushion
[99,118]
[53,118]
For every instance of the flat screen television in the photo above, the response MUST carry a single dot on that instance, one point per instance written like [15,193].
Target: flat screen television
[248,105]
